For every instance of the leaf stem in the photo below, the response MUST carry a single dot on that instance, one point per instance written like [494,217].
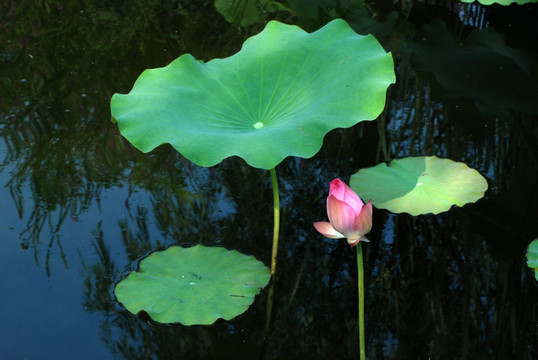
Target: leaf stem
[360,269]
[276,227]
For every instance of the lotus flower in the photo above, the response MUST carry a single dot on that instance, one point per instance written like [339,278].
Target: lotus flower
[349,217]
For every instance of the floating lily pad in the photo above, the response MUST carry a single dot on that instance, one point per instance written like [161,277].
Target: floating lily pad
[196,285]
[276,97]
[532,257]
[419,185]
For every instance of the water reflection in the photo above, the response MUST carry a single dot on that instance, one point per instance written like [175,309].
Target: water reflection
[90,206]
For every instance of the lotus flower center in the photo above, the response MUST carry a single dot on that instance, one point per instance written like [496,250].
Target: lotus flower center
[258,125]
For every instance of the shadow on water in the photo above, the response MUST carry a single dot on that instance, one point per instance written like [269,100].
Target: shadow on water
[82,206]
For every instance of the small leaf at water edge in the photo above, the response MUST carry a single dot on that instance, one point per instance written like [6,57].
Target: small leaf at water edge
[419,185]
[532,257]
[193,286]
[277,97]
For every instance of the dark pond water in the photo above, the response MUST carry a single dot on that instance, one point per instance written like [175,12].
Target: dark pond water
[79,205]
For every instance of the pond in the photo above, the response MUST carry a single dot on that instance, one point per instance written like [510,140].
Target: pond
[80,206]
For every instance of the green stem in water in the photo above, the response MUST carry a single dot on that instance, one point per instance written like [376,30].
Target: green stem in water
[276,227]
[360,269]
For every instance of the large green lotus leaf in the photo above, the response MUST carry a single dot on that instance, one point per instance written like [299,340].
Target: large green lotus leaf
[501,2]
[276,97]
[419,185]
[532,257]
[195,285]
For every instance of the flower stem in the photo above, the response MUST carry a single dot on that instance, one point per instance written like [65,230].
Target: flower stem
[360,269]
[276,227]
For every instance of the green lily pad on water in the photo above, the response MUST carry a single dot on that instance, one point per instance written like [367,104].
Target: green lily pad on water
[277,97]
[193,286]
[532,257]
[419,185]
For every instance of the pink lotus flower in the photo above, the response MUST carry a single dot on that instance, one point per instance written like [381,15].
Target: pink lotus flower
[349,217]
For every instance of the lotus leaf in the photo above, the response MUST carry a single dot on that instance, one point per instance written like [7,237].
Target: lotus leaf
[195,285]
[276,97]
[419,185]
[532,257]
